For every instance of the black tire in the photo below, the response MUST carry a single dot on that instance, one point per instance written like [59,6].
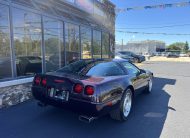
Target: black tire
[118,114]
[136,60]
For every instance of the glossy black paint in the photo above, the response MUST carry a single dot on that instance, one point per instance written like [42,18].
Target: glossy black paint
[108,89]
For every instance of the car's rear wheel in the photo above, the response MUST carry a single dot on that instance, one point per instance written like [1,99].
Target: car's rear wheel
[125,107]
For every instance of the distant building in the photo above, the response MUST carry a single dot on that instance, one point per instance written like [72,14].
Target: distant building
[143,47]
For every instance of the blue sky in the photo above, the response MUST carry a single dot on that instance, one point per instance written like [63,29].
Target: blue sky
[152,18]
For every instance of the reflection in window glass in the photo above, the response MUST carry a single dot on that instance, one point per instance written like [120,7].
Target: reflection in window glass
[27,42]
[130,68]
[86,43]
[112,46]
[5,58]
[96,44]
[105,69]
[72,42]
[54,50]
[105,45]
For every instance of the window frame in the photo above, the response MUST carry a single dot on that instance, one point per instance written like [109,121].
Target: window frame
[62,23]
[42,50]
[108,48]
[91,41]
[97,31]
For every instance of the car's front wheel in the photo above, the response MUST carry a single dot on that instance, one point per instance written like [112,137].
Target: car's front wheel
[149,86]
[136,60]
[124,110]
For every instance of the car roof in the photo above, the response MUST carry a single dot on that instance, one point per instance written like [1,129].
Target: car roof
[107,60]
[120,60]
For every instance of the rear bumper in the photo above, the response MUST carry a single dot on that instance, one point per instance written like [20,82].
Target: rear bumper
[76,105]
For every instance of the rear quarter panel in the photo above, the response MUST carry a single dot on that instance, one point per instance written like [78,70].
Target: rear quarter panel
[112,88]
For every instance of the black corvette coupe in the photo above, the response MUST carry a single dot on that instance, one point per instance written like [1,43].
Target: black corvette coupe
[93,87]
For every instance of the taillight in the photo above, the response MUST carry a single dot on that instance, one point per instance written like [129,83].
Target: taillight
[44,82]
[37,80]
[89,90]
[78,88]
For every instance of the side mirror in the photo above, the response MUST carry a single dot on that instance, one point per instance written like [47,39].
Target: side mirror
[142,71]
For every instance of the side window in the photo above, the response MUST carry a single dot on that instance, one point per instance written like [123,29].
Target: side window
[130,68]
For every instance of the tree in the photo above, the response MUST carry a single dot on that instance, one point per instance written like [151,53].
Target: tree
[176,46]
[186,47]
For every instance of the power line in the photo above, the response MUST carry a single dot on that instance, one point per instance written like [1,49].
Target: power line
[156,27]
[150,33]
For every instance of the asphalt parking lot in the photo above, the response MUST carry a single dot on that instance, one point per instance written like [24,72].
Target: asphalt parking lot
[163,113]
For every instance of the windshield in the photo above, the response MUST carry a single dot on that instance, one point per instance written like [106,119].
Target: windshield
[92,68]
[105,69]
[125,53]
[76,67]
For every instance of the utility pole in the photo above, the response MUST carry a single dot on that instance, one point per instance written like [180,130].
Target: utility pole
[122,45]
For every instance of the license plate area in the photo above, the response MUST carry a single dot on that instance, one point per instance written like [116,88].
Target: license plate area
[58,94]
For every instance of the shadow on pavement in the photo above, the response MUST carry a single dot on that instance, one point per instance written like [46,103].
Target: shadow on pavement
[147,119]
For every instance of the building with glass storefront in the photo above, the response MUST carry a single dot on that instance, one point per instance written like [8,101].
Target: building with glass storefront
[39,36]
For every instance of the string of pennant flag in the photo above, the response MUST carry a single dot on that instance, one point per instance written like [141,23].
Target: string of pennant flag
[160,6]
[152,33]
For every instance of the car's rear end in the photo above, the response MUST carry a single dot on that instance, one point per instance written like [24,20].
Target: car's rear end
[69,92]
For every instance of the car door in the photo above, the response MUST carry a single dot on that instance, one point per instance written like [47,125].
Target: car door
[137,78]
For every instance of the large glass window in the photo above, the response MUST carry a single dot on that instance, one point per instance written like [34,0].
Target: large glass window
[72,42]
[105,45]
[27,42]
[86,37]
[5,58]
[96,44]
[54,50]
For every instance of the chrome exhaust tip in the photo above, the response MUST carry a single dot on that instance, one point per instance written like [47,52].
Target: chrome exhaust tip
[86,119]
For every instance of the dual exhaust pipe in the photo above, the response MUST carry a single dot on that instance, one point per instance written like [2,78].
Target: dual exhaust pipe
[82,118]
[86,119]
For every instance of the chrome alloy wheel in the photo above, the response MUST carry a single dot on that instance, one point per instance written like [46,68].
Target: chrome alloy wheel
[127,103]
[150,85]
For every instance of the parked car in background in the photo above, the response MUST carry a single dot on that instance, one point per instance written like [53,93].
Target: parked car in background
[188,54]
[183,55]
[93,87]
[29,65]
[137,58]
[158,54]
[149,54]
[164,54]
[129,58]
[172,55]
[5,67]
[25,65]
